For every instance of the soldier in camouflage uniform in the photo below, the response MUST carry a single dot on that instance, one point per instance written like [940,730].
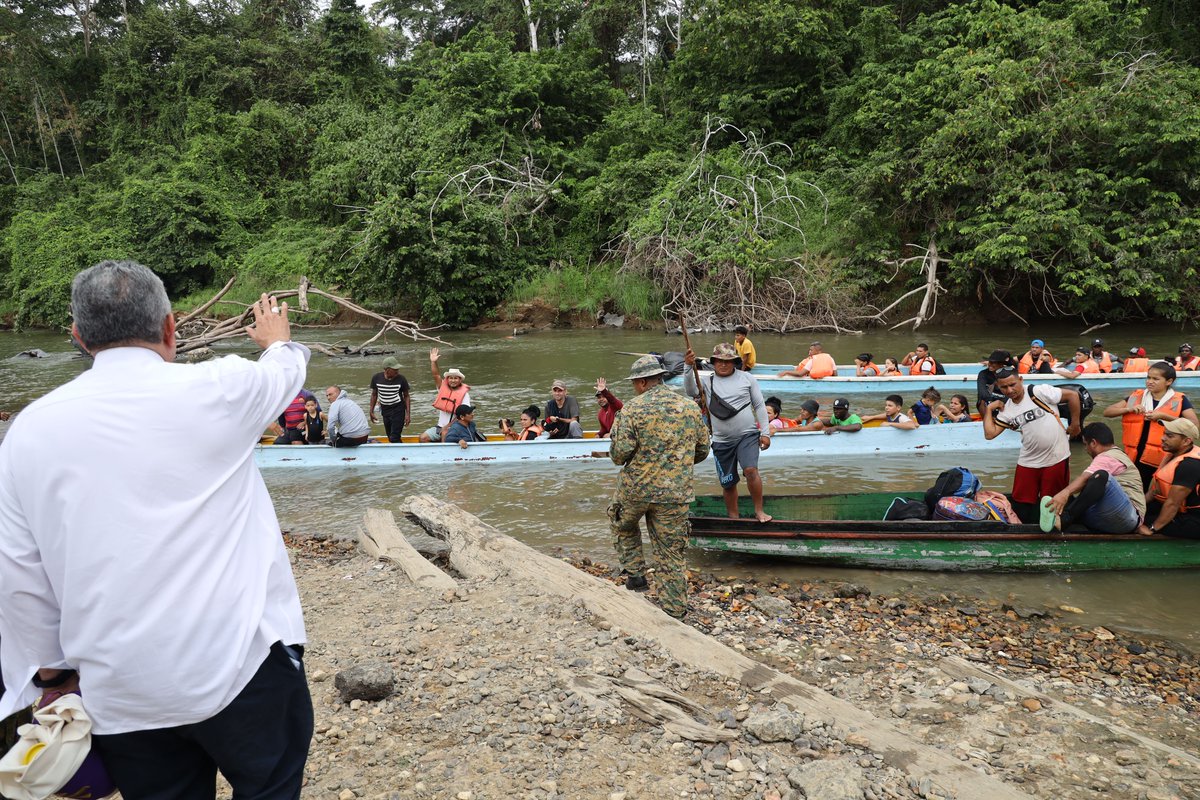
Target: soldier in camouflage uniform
[656,439]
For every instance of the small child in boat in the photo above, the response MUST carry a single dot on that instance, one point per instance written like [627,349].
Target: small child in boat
[312,425]
[922,410]
[956,411]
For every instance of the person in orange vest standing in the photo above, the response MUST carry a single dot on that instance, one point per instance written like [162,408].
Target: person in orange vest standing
[1158,402]
[819,364]
[452,393]
[1037,359]
[1136,361]
[1080,366]
[1173,501]
[1104,359]
[1186,360]
[919,362]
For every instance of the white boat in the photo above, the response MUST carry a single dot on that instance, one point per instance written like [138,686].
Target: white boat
[961,437]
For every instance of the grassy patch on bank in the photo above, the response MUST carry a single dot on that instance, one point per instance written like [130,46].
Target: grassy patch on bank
[590,288]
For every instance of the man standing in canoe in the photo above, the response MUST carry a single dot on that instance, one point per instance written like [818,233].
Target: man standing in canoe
[147,568]
[740,426]
[391,391]
[1044,464]
[656,440]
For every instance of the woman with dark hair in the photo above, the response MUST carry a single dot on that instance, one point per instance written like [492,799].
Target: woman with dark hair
[529,430]
[864,367]
[1158,402]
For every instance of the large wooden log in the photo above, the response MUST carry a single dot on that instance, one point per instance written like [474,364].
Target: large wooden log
[479,550]
[381,538]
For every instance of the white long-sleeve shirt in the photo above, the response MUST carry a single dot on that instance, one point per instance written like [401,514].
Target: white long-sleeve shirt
[138,543]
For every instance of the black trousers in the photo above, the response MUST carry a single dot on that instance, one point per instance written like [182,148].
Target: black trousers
[1184,526]
[393,420]
[348,441]
[259,742]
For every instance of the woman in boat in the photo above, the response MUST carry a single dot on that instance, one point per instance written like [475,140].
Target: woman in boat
[1158,402]
[864,367]
[529,431]
[956,411]
[922,410]
[775,420]
[891,367]
[808,419]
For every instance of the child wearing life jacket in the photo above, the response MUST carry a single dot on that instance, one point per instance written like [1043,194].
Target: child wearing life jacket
[956,411]
[891,367]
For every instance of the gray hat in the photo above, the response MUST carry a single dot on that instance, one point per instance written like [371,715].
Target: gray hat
[646,367]
[391,363]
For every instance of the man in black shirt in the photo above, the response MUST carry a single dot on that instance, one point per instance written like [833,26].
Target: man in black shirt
[390,390]
[1173,501]
[985,381]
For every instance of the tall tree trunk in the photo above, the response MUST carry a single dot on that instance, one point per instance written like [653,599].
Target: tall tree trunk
[533,25]
[14,148]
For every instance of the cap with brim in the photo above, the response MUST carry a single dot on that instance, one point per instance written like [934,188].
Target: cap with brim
[811,406]
[1184,346]
[1133,351]
[1037,343]
[1084,350]
[999,357]
[841,402]
[559,385]
[391,363]
[646,367]
[1097,342]
[725,352]
[454,372]
[599,394]
[463,410]
[1182,427]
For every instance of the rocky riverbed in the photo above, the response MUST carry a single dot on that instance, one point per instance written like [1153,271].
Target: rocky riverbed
[496,691]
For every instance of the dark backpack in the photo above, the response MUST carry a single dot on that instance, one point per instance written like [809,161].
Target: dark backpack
[954,482]
[1086,402]
[939,369]
[904,508]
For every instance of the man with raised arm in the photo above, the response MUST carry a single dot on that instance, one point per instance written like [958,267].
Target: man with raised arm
[452,393]
[146,567]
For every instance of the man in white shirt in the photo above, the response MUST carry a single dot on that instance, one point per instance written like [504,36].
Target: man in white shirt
[1044,464]
[147,568]
[348,426]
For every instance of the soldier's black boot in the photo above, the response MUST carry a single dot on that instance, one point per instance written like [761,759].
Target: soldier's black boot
[637,583]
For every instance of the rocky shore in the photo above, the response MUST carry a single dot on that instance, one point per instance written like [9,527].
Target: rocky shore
[496,690]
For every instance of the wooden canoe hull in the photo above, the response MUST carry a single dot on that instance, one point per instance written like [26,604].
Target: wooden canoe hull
[965,437]
[924,545]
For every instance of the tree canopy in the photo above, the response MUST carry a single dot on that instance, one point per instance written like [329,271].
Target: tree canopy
[763,160]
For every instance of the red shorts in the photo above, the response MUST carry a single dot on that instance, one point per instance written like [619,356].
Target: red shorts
[1031,484]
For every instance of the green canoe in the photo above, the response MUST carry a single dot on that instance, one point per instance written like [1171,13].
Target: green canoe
[848,530]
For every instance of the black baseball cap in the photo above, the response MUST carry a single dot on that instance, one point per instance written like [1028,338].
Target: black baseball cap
[463,410]
[999,357]
[1097,342]
[841,402]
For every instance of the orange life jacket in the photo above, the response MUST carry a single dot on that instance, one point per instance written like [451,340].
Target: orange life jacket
[1025,364]
[1164,476]
[915,369]
[1137,364]
[1090,367]
[820,365]
[871,368]
[1104,362]
[1191,363]
[530,433]
[449,399]
[1132,424]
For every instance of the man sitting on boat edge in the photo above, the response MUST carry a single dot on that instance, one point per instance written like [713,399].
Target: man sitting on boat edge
[1108,495]
[463,429]
[347,425]
[840,420]
[1173,501]
[818,364]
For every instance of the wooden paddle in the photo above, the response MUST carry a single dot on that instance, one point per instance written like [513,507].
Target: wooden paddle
[687,345]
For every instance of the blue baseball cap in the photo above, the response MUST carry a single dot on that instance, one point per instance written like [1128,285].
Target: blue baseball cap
[1037,343]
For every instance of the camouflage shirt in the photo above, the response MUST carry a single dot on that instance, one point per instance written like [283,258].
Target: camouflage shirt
[657,438]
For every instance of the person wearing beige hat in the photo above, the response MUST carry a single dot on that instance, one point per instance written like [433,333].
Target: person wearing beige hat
[562,413]
[390,390]
[452,393]
[1173,500]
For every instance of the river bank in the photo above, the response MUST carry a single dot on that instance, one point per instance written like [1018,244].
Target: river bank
[500,692]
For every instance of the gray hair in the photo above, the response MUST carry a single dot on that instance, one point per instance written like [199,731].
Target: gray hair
[118,301]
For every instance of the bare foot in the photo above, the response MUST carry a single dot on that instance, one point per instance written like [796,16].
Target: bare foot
[1058,522]
[763,516]
[733,515]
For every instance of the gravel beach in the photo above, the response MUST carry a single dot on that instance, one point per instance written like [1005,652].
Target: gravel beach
[495,690]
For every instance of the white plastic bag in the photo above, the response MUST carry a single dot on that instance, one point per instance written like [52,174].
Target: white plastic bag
[49,751]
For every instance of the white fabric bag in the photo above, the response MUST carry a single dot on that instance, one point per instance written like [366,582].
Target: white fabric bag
[49,751]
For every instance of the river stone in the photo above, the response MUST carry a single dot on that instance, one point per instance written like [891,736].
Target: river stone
[370,681]
[834,779]
[771,606]
[775,725]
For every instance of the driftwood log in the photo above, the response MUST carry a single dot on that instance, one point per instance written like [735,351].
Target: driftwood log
[478,550]
[380,538]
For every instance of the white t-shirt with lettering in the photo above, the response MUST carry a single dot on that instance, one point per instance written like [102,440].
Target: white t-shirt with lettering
[1044,441]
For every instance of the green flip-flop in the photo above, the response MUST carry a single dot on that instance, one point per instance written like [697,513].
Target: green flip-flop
[1045,515]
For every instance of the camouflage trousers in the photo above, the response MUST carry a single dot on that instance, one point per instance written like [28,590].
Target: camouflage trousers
[667,524]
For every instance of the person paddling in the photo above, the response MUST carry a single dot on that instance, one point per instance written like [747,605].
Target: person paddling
[1141,437]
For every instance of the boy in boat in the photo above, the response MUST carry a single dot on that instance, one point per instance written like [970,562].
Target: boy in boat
[744,347]
[1108,495]
[1044,464]
[893,415]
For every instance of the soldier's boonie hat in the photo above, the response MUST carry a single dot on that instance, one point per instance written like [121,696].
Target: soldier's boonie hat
[725,352]
[391,363]
[645,367]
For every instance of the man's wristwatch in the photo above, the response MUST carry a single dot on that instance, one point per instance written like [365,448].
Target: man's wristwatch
[1153,529]
[58,680]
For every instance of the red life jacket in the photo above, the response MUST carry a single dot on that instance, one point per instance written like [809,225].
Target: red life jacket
[449,399]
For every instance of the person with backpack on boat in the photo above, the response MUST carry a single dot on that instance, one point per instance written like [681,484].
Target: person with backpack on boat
[1173,500]
[1044,463]
[1107,497]
[452,392]
[462,430]
[1158,402]
[920,362]
[740,428]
